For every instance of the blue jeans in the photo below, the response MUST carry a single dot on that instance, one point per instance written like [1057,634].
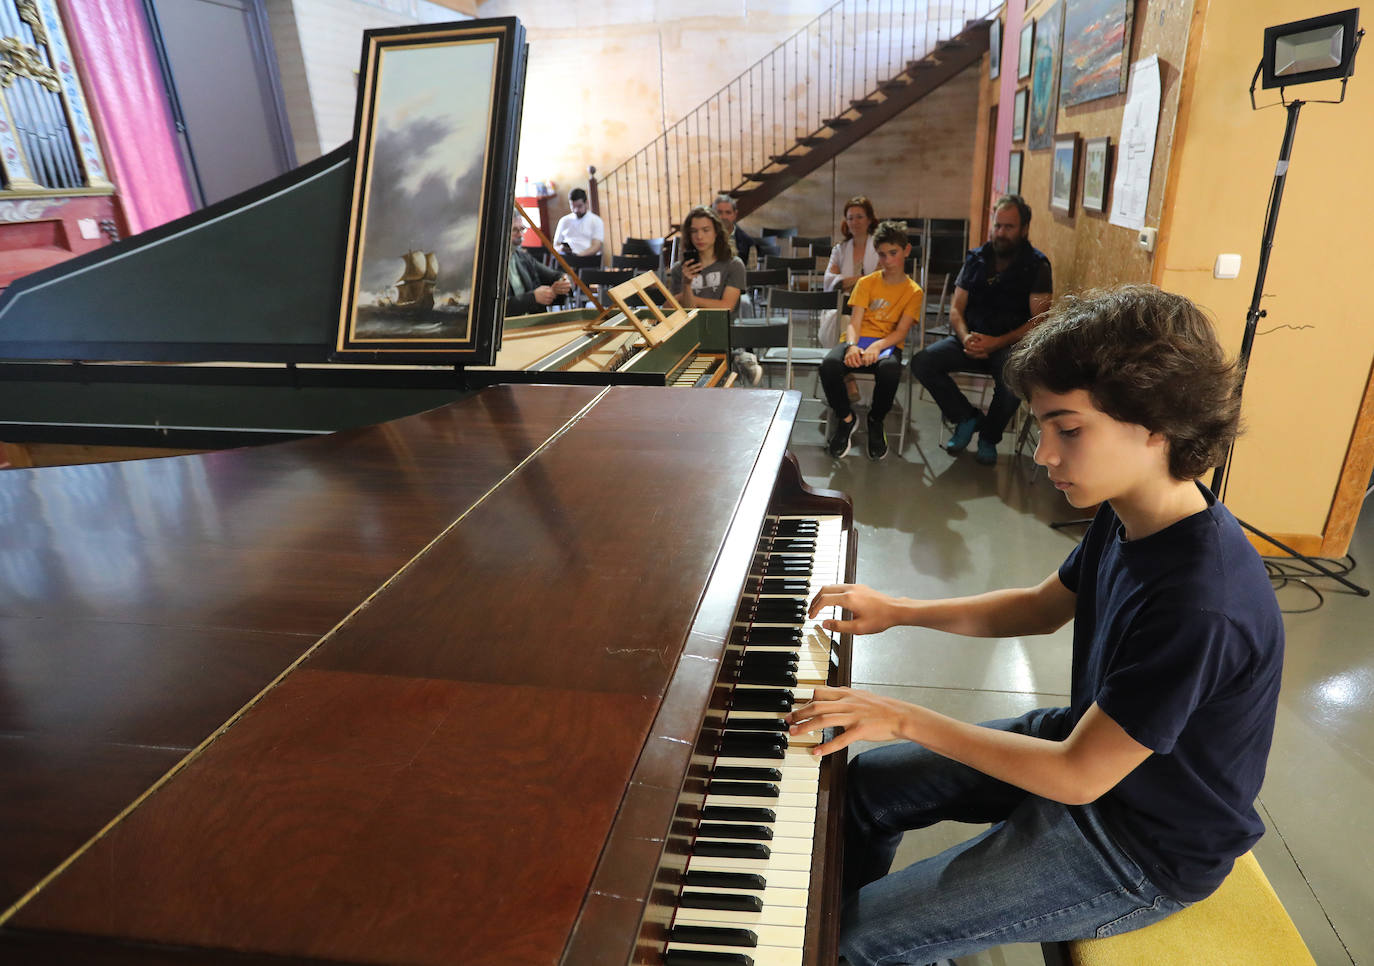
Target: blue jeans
[932,367]
[1043,872]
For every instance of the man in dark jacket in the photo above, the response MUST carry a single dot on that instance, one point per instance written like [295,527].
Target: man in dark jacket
[1002,291]
[531,287]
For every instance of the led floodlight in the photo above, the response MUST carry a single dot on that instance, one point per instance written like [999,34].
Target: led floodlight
[1315,49]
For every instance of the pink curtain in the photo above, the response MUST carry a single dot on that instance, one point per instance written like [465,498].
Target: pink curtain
[127,96]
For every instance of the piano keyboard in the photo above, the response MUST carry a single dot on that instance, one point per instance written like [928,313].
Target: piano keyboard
[703,369]
[746,888]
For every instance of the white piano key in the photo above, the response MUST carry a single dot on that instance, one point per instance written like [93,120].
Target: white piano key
[803,800]
[778,861]
[770,915]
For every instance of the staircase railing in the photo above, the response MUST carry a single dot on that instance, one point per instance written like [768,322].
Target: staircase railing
[845,55]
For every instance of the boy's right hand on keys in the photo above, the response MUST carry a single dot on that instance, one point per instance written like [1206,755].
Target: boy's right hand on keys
[873,611]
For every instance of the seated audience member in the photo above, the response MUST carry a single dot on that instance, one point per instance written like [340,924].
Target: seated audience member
[580,232]
[854,257]
[530,285]
[710,276]
[883,306]
[1003,288]
[744,242]
[1134,800]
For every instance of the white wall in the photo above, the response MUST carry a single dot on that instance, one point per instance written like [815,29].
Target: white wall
[319,45]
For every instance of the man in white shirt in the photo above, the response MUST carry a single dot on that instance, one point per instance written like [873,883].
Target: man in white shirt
[581,231]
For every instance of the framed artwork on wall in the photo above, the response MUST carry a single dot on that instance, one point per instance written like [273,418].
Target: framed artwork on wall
[1096,37]
[995,50]
[1044,106]
[1023,57]
[1018,115]
[1014,173]
[425,263]
[1063,171]
[1096,164]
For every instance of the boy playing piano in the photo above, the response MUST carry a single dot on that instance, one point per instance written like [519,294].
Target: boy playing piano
[1134,801]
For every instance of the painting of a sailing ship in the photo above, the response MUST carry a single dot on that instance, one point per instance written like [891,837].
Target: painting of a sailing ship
[432,162]
[1096,33]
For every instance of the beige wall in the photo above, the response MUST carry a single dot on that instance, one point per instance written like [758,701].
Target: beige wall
[605,77]
[1085,249]
[319,44]
[917,164]
[1311,361]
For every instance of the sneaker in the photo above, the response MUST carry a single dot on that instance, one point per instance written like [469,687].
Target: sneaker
[963,433]
[987,453]
[838,444]
[877,439]
[747,365]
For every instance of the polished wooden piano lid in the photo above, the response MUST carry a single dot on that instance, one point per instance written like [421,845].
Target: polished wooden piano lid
[488,602]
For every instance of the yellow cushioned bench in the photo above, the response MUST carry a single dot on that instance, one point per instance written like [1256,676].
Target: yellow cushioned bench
[1241,924]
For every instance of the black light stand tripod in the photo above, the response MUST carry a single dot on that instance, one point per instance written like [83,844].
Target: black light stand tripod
[1256,313]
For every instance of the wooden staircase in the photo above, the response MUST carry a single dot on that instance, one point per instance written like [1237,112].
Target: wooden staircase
[863,117]
[843,75]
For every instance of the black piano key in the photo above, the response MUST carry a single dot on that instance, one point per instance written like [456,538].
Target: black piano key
[743,789]
[745,881]
[749,737]
[779,566]
[794,527]
[754,751]
[774,610]
[745,773]
[790,586]
[731,850]
[762,699]
[713,936]
[732,901]
[704,957]
[771,677]
[750,833]
[782,659]
[776,725]
[797,545]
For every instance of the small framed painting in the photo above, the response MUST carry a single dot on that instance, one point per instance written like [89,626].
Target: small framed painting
[995,50]
[1018,114]
[1014,173]
[1096,162]
[1063,170]
[1023,57]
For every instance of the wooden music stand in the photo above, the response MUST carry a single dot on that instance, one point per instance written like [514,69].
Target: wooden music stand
[657,332]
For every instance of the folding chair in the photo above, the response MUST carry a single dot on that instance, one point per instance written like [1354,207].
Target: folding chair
[642,263]
[757,281]
[763,248]
[780,233]
[642,246]
[603,279]
[809,246]
[790,302]
[795,267]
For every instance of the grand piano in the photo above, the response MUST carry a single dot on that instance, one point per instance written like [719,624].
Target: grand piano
[495,683]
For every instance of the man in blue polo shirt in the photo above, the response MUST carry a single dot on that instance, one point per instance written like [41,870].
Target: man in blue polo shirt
[1001,291]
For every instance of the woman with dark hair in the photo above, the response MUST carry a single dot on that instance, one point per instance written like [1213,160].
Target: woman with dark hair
[854,257]
[709,275]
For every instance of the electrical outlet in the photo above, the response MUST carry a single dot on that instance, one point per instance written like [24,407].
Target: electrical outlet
[1146,238]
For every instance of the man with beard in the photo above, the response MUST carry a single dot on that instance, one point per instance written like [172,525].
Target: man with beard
[531,287]
[1002,291]
[580,232]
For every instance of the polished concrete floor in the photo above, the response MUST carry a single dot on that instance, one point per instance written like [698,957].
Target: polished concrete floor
[933,525]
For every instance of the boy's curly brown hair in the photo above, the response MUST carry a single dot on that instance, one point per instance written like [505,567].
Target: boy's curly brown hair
[1145,356]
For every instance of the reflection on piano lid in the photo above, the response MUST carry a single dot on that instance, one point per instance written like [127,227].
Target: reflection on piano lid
[478,700]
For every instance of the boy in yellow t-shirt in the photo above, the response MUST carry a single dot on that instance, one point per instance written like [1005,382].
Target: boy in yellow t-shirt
[883,306]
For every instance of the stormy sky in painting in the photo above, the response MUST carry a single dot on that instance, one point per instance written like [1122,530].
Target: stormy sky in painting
[425,184]
[1094,35]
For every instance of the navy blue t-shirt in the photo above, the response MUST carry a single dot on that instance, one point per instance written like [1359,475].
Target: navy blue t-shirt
[1178,638]
[999,302]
